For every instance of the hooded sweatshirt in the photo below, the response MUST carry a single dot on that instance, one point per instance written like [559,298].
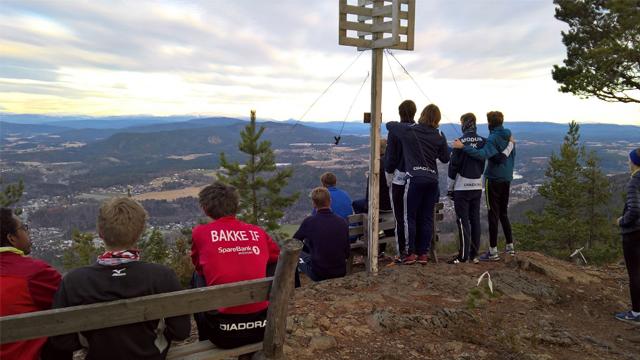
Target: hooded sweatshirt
[465,172]
[421,146]
[497,142]
[394,159]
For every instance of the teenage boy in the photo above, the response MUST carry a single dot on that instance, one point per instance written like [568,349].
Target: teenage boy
[119,274]
[498,176]
[26,284]
[465,188]
[340,200]
[629,224]
[228,250]
[326,239]
[395,172]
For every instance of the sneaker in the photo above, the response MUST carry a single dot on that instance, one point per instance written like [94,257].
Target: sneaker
[476,260]
[456,260]
[423,259]
[627,316]
[410,259]
[488,256]
[510,250]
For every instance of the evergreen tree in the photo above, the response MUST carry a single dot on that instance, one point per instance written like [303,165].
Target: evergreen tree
[83,250]
[153,248]
[180,258]
[576,195]
[11,194]
[258,181]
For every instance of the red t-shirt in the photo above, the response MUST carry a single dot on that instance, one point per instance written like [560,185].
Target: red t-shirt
[26,285]
[228,250]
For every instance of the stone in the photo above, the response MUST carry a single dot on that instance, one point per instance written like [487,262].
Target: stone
[322,343]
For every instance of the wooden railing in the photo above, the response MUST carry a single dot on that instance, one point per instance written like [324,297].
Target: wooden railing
[276,289]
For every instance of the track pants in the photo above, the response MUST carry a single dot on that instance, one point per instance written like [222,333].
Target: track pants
[397,203]
[497,193]
[420,197]
[467,207]
[631,248]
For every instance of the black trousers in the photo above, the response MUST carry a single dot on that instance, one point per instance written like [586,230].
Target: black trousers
[631,248]
[467,207]
[397,203]
[497,193]
[420,197]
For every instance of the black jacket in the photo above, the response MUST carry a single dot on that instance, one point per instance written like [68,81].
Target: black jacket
[100,283]
[326,236]
[421,146]
[630,221]
[465,172]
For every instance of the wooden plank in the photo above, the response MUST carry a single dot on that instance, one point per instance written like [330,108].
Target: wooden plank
[356,26]
[179,352]
[387,11]
[129,311]
[281,291]
[219,354]
[355,218]
[411,24]
[356,10]
[347,41]
[356,230]
[342,33]
[385,43]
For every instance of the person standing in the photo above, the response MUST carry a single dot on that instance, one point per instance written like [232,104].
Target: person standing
[26,284]
[395,174]
[465,189]
[422,144]
[629,224]
[498,176]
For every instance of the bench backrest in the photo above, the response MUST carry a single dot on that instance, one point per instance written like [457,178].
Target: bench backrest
[74,319]
[387,220]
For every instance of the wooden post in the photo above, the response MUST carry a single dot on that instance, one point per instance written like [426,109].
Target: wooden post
[374,158]
[281,291]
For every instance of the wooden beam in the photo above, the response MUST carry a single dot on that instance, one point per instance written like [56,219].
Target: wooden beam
[356,10]
[281,291]
[355,42]
[411,22]
[342,33]
[121,312]
[385,43]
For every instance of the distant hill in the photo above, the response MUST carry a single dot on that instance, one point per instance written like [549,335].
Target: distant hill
[24,130]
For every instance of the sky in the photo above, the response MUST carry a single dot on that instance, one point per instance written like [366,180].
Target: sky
[227,57]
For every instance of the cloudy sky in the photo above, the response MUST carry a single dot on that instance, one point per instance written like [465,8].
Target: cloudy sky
[226,57]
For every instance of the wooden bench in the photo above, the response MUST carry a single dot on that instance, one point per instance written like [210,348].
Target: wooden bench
[358,227]
[277,289]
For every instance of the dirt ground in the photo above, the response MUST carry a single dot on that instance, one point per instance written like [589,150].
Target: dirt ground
[541,308]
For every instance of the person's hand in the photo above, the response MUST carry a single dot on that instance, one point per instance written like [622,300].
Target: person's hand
[512,139]
[457,144]
[618,221]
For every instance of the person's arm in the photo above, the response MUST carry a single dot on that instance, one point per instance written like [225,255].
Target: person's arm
[445,151]
[501,158]
[392,154]
[177,327]
[67,342]
[632,204]
[43,286]
[398,129]
[274,249]
[485,152]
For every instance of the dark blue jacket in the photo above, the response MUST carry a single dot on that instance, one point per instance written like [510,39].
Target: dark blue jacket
[630,221]
[466,171]
[421,146]
[326,236]
[496,143]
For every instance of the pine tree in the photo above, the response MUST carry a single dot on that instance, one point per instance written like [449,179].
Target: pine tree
[576,195]
[180,258]
[83,250]
[258,181]
[11,194]
[153,248]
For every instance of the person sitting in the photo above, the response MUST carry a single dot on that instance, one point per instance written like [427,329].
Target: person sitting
[26,284]
[340,200]
[228,250]
[119,274]
[326,239]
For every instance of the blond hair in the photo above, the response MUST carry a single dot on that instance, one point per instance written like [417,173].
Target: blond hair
[430,116]
[320,197]
[121,221]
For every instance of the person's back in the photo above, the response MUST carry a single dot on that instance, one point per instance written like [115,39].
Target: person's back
[26,284]
[119,274]
[327,238]
[340,200]
[500,171]
[102,283]
[228,250]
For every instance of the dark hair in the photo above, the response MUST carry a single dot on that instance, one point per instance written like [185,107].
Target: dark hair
[495,119]
[219,200]
[8,226]
[328,179]
[430,116]
[407,111]
[465,118]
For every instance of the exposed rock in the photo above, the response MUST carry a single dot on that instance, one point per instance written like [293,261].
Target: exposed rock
[322,343]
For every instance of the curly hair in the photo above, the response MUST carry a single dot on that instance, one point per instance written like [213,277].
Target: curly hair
[8,226]
[219,199]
